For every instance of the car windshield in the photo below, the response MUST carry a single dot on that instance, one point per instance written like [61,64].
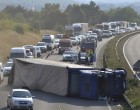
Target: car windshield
[47,40]
[82,54]
[17,55]
[8,64]
[40,44]
[68,52]
[105,31]
[21,94]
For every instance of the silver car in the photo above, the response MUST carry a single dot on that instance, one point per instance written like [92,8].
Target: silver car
[20,99]
[7,68]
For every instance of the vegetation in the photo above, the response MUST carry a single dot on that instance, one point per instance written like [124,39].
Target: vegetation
[51,17]
[19,26]
[112,62]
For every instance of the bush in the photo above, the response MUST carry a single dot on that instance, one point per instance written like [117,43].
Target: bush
[19,29]
[59,28]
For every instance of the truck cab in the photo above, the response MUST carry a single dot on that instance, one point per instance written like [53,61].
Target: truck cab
[64,44]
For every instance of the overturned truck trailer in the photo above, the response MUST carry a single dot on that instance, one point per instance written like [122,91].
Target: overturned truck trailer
[66,79]
[44,75]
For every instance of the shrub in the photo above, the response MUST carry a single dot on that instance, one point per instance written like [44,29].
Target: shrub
[19,29]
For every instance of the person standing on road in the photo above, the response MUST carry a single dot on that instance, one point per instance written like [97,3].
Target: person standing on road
[87,57]
[79,56]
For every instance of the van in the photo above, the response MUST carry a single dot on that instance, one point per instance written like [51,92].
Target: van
[17,52]
[49,40]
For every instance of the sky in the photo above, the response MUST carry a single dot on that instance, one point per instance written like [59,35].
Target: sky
[110,1]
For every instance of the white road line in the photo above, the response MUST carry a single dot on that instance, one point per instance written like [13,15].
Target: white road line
[127,59]
[109,107]
[59,107]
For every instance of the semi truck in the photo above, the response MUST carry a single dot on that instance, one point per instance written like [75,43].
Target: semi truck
[69,31]
[80,28]
[65,43]
[100,26]
[107,26]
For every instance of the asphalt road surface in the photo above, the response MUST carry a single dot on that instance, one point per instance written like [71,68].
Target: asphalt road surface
[99,53]
[131,50]
[46,101]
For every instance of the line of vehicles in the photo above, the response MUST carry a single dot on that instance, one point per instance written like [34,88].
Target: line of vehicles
[77,34]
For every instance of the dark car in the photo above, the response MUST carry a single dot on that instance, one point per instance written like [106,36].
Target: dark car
[99,33]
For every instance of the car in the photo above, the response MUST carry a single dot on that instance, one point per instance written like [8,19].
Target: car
[113,31]
[99,33]
[82,57]
[59,36]
[74,41]
[20,99]
[7,68]
[1,72]
[107,34]
[57,43]
[17,52]
[42,46]
[70,55]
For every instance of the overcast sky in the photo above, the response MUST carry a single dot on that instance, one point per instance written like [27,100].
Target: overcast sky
[110,1]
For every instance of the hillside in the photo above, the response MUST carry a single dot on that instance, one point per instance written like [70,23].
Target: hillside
[9,39]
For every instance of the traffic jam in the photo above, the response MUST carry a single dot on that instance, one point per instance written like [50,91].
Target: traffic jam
[77,48]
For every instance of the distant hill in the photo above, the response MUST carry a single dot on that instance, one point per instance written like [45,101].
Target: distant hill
[38,4]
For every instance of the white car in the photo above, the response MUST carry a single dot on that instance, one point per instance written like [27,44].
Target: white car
[107,33]
[57,43]
[73,40]
[42,46]
[7,68]
[20,99]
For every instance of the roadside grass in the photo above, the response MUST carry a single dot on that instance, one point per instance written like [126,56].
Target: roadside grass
[48,32]
[133,89]
[9,39]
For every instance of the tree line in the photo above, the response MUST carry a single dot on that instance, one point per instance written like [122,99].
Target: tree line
[52,17]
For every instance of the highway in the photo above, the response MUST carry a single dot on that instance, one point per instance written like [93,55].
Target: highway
[131,49]
[46,101]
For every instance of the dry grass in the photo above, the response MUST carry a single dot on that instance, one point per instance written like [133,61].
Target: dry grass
[48,32]
[9,39]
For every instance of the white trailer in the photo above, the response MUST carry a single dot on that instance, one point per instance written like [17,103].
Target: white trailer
[107,26]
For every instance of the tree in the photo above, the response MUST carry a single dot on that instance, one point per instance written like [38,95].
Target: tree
[123,14]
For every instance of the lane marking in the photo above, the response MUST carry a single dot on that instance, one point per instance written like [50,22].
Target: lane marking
[59,107]
[127,59]
[109,107]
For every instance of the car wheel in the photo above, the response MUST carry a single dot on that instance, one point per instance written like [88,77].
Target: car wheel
[31,109]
